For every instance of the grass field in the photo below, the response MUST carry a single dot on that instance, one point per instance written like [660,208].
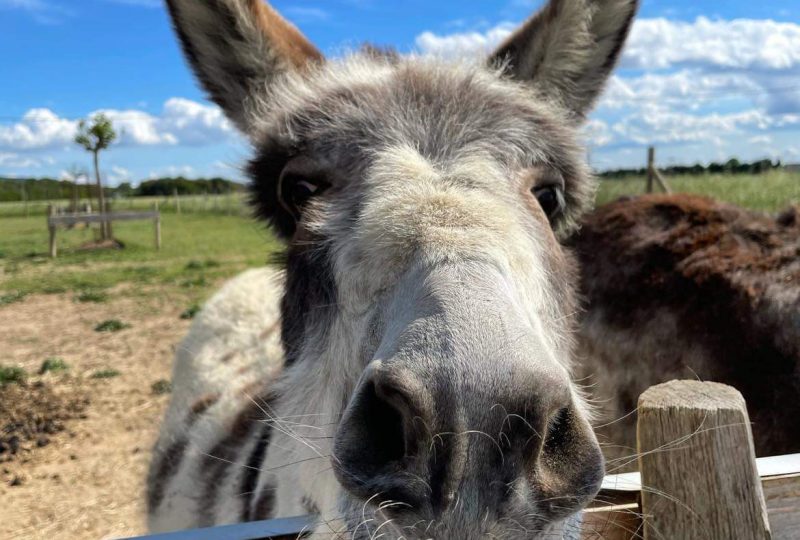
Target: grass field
[197,249]
[770,192]
[214,238]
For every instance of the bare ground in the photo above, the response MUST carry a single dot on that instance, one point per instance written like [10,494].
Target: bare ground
[84,444]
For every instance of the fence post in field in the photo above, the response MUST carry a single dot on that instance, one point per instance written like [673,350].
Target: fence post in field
[108,224]
[177,201]
[698,465]
[651,167]
[157,225]
[51,227]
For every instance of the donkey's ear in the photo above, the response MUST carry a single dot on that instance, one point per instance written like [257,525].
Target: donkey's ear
[568,49]
[237,48]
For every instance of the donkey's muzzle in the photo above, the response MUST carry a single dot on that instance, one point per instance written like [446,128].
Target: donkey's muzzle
[427,442]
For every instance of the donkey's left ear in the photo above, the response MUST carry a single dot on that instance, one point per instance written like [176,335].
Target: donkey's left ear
[569,48]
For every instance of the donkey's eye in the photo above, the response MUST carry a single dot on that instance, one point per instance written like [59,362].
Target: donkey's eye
[300,190]
[551,199]
[301,180]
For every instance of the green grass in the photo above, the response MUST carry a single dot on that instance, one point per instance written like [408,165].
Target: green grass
[771,192]
[191,312]
[111,325]
[12,297]
[53,365]
[10,375]
[96,297]
[105,374]
[196,251]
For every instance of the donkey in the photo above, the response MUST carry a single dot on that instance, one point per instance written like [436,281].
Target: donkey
[683,287]
[408,374]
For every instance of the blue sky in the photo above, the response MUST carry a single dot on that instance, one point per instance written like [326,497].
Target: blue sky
[701,80]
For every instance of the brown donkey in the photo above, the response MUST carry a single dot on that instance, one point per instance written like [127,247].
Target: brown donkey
[409,374]
[683,287]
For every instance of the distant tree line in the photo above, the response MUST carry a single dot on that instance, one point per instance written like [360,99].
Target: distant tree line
[732,166]
[39,189]
[183,186]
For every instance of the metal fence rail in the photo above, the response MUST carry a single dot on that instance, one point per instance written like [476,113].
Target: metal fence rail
[274,529]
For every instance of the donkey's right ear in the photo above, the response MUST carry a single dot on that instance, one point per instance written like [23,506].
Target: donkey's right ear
[237,48]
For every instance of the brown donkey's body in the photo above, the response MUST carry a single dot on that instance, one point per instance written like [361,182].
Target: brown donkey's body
[684,287]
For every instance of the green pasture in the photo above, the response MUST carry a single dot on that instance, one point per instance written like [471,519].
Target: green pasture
[197,250]
[769,192]
[213,238]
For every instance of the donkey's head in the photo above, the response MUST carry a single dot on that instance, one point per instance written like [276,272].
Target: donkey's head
[422,201]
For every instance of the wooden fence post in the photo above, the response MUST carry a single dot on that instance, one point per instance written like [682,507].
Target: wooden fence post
[651,167]
[177,201]
[51,211]
[698,465]
[157,224]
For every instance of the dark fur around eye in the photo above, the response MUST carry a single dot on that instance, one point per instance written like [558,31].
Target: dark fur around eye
[280,196]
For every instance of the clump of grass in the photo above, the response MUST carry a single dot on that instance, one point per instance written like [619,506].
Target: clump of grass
[201,265]
[111,325]
[94,296]
[161,387]
[12,297]
[55,289]
[105,374]
[53,365]
[2,254]
[12,374]
[190,312]
[199,281]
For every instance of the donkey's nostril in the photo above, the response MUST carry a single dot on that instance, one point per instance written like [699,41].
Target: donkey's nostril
[559,433]
[383,440]
[371,441]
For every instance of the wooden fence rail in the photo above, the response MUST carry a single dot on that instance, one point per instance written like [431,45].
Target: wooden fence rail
[699,479]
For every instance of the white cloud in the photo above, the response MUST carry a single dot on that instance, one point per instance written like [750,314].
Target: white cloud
[662,43]
[16,161]
[463,45]
[39,128]
[182,122]
[740,44]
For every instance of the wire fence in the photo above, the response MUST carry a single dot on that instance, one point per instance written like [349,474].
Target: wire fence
[232,204]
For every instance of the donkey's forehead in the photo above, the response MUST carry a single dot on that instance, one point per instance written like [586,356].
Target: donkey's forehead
[442,110]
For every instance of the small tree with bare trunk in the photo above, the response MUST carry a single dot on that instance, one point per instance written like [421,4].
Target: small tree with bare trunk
[96,135]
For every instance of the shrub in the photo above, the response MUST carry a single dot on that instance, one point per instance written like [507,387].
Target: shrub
[9,374]
[111,325]
[53,365]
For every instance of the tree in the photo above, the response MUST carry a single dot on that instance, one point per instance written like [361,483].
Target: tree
[95,136]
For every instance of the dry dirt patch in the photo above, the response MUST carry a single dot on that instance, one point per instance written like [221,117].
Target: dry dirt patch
[85,479]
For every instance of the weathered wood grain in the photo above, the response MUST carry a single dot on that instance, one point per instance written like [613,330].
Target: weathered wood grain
[698,464]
